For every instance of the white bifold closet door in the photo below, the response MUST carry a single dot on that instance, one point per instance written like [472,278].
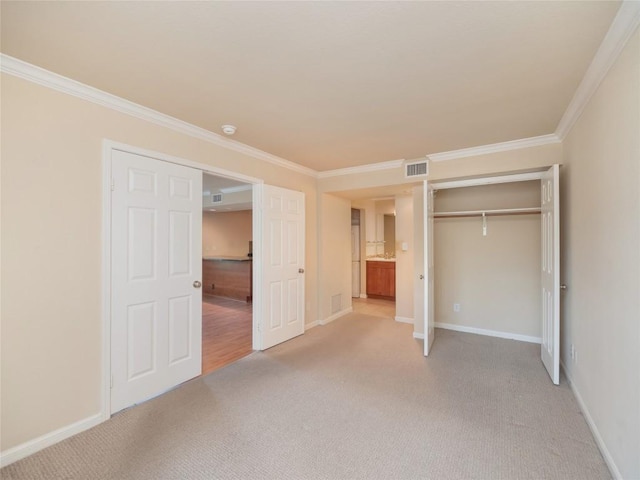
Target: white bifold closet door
[424,302]
[550,223]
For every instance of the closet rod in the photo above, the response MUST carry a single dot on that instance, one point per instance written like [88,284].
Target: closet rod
[488,213]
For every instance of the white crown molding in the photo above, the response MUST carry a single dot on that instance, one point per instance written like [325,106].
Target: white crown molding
[495,148]
[622,28]
[18,68]
[370,167]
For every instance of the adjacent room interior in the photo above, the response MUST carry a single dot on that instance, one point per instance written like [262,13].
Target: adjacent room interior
[227,272]
[342,221]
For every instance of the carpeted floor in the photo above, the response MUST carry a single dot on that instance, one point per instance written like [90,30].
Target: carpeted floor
[351,400]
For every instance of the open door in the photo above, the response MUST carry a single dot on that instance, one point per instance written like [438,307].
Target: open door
[279,292]
[424,306]
[550,223]
[156,270]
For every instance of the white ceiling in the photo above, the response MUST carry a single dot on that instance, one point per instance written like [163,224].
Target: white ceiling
[327,84]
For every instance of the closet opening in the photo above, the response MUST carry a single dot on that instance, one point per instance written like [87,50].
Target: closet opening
[487,247]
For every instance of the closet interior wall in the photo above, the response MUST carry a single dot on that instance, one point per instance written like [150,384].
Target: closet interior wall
[489,282]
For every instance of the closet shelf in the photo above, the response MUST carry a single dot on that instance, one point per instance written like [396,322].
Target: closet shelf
[488,213]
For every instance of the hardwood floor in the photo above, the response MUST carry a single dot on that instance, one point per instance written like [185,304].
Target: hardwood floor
[226,332]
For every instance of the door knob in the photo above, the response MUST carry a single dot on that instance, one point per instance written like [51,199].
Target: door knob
[301,270]
[563,287]
[197,284]
[421,277]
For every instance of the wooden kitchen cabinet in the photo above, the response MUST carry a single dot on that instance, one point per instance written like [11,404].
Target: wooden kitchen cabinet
[381,279]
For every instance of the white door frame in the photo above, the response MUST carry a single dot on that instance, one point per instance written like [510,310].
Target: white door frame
[107,147]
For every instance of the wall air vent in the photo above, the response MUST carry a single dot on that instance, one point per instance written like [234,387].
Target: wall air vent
[216,198]
[417,169]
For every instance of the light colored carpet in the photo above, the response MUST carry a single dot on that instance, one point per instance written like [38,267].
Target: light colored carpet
[351,400]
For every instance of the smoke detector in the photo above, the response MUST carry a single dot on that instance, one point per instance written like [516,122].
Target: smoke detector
[228,129]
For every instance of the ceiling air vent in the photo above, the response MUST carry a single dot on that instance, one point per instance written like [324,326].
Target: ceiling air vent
[216,198]
[417,169]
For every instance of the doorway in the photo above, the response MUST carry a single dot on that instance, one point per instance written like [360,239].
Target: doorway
[227,271]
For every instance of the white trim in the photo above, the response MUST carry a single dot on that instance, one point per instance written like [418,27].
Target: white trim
[105,404]
[622,28]
[404,320]
[40,76]
[363,295]
[336,316]
[32,446]
[613,468]
[495,148]
[370,167]
[473,182]
[309,326]
[419,336]
[488,333]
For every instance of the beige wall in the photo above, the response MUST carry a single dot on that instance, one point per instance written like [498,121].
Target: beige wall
[495,278]
[600,202]
[335,254]
[226,233]
[51,247]
[404,260]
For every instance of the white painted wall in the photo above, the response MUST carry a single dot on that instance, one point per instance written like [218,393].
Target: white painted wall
[600,215]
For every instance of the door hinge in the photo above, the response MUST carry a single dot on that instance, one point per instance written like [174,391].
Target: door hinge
[111,381]
[113,184]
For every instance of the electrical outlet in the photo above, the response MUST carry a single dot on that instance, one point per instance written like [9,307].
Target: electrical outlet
[456,307]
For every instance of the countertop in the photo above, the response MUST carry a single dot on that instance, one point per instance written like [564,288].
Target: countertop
[228,258]
[380,259]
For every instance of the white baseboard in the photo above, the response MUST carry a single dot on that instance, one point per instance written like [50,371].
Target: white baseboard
[32,446]
[335,316]
[419,336]
[592,426]
[404,320]
[309,326]
[489,333]
[363,295]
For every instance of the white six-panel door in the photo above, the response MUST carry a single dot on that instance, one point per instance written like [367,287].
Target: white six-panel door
[156,267]
[282,258]
[550,219]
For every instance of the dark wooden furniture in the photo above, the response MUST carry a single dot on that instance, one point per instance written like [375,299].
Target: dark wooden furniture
[381,279]
[229,277]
